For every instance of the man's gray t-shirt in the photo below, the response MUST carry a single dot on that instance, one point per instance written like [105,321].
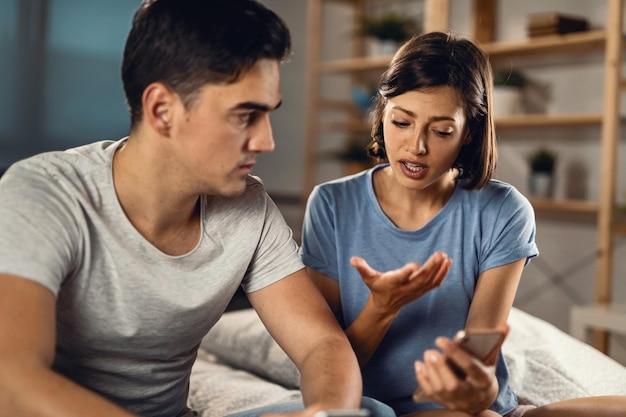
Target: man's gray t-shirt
[129,317]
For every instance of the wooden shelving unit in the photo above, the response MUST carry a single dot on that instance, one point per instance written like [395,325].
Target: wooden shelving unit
[608,42]
[435,18]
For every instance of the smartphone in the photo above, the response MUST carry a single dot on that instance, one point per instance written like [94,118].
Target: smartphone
[343,413]
[481,343]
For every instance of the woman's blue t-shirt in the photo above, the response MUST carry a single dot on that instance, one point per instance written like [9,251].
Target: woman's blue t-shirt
[478,230]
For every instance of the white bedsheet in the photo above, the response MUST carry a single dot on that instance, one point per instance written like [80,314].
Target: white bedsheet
[240,366]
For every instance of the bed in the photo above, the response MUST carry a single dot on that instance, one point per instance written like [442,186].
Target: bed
[239,366]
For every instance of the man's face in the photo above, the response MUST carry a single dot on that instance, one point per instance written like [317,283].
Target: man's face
[216,141]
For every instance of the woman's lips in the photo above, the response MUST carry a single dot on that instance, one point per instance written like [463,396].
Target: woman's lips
[413,170]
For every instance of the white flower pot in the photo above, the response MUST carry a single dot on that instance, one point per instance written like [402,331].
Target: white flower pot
[507,101]
[541,184]
[378,47]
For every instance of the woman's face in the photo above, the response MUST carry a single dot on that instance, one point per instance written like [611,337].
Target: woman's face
[424,131]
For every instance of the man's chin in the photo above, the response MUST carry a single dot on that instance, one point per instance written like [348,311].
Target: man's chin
[234,190]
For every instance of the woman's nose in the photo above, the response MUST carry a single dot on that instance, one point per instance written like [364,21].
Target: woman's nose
[418,145]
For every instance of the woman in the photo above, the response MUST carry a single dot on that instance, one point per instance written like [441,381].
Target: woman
[452,240]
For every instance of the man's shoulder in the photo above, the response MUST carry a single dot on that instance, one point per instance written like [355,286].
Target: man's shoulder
[73,161]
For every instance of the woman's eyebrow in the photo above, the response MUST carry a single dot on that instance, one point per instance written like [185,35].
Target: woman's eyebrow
[434,118]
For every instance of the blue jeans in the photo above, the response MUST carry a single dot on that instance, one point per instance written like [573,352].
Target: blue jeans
[376,408]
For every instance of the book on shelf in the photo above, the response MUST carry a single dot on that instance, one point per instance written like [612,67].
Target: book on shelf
[554,23]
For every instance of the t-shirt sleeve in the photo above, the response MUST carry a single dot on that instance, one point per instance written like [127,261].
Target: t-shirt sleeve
[512,232]
[38,232]
[276,255]
[319,250]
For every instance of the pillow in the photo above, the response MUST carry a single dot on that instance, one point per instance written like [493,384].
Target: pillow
[216,389]
[548,365]
[545,363]
[240,339]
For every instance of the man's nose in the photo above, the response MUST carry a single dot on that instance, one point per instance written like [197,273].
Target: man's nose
[262,137]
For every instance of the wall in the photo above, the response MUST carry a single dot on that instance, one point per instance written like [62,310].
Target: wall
[60,69]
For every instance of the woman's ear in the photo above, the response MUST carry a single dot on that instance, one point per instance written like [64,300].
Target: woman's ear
[158,107]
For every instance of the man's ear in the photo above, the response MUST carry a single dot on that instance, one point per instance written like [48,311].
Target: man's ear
[158,107]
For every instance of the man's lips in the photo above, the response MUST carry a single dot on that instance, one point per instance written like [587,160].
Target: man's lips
[247,166]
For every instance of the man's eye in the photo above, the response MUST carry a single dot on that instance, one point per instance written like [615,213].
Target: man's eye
[248,118]
[245,118]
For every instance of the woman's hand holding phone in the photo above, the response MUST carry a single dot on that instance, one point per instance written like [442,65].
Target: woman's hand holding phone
[464,371]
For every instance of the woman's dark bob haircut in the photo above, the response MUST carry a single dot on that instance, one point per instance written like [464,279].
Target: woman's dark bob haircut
[440,59]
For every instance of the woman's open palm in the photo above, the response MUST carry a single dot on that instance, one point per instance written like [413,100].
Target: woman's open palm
[392,290]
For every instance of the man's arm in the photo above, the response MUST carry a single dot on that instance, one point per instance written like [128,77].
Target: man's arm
[297,316]
[28,386]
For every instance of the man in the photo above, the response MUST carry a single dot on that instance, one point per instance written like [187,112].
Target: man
[118,256]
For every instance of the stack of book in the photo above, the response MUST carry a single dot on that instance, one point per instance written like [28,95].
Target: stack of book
[555,23]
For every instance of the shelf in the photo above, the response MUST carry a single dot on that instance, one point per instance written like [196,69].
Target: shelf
[608,317]
[532,120]
[572,206]
[366,63]
[568,43]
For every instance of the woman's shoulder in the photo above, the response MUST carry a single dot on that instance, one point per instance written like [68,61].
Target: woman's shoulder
[350,184]
[498,194]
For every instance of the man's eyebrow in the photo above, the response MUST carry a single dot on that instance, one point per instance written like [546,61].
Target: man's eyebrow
[251,105]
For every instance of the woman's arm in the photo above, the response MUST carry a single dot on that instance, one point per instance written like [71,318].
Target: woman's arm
[492,302]
[389,292]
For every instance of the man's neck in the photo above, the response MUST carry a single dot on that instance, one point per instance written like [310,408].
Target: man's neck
[161,212]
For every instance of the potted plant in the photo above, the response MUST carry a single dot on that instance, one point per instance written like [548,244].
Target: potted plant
[507,92]
[542,163]
[354,155]
[389,29]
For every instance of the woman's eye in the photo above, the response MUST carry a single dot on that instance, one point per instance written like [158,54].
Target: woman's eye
[399,123]
[443,133]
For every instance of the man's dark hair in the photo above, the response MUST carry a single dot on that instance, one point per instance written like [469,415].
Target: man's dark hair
[186,44]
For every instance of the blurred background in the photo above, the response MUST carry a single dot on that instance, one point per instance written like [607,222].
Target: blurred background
[60,82]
